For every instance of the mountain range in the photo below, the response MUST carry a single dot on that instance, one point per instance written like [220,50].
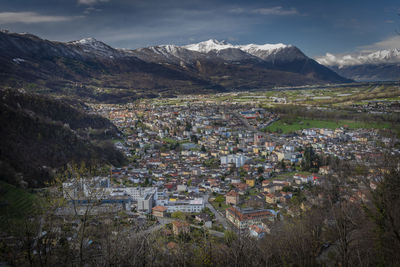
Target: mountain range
[91,69]
[381,65]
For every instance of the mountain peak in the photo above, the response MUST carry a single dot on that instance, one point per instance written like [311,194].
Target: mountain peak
[92,46]
[216,42]
[209,45]
[86,41]
[254,47]
[212,44]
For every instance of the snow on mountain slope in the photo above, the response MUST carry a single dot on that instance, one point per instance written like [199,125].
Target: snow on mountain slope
[94,47]
[253,48]
[212,45]
[376,57]
[168,50]
[267,52]
[209,45]
[188,53]
[165,54]
[175,69]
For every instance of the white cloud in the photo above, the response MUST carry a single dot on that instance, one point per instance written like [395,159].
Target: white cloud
[174,32]
[389,43]
[277,10]
[30,17]
[91,2]
[339,60]
[385,51]
[237,10]
[90,10]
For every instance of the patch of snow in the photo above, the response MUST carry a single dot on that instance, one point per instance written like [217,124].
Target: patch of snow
[18,60]
[253,49]
[85,41]
[209,45]
[91,45]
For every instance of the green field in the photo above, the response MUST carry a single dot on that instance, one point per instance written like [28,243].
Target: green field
[15,203]
[286,175]
[300,124]
[219,203]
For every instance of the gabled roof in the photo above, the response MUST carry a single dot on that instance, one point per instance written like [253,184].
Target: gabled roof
[247,214]
[159,208]
[232,194]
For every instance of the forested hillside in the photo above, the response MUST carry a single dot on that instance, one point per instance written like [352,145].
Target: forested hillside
[40,134]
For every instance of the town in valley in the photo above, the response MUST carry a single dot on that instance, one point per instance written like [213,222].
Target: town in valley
[210,162]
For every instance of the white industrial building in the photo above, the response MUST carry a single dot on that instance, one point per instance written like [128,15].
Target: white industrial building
[192,205]
[99,188]
[238,159]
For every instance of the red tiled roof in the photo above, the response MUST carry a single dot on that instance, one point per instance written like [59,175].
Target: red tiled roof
[159,208]
[180,224]
[256,229]
[232,194]
[248,216]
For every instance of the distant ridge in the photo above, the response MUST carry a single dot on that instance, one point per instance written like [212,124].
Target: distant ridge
[92,69]
[380,65]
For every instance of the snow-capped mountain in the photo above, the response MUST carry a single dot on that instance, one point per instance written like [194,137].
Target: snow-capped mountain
[206,66]
[215,45]
[165,54]
[375,57]
[381,65]
[91,46]
[275,54]
[266,52]
[209,45]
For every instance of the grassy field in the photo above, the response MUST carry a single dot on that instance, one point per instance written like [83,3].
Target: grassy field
[169,140]
[15,203]
[219,203]
[286,175]
[300,124]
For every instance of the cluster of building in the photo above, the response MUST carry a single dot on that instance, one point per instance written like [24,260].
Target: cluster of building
[99,189]
[180,153]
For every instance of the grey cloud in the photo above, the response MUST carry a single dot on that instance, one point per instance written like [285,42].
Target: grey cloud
[389,43]
[378,52]
[91,2]
[31,17]
[277,10]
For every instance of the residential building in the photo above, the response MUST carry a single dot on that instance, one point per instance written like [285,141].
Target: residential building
[251,182]
[179,227]
[145,203]
[237,159]
[232,197]
[159,211]
[243,218]
[256,231]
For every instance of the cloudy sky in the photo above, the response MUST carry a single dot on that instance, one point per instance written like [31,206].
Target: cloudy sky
[315,26]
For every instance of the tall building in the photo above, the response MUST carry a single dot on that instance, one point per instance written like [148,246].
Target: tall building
[258,139]
[232,197]
[238,159]
[145,203]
